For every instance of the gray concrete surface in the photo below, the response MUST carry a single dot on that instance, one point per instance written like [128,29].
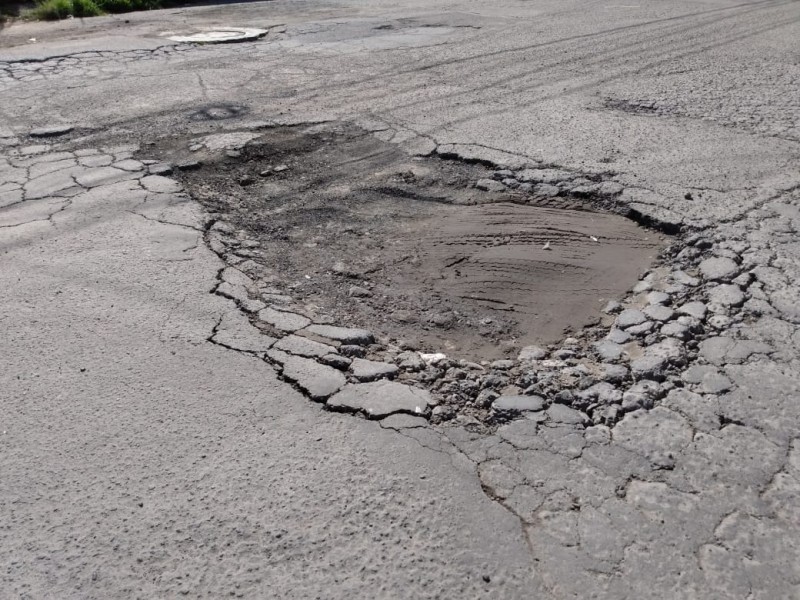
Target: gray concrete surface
[139,459]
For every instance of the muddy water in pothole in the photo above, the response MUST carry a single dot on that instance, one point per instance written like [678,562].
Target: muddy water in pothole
[358,233]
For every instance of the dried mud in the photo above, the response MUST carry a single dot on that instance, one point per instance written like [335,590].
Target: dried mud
[358,233]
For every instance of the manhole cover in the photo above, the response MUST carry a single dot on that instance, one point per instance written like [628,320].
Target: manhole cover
[220,36]
[355,231]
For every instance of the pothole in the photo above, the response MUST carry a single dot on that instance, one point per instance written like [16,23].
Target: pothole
[219,35]
[355,232]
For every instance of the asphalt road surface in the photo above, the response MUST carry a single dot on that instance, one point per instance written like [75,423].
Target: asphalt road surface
[147,450]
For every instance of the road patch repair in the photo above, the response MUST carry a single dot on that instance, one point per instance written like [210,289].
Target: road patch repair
[483,293]
[218,35]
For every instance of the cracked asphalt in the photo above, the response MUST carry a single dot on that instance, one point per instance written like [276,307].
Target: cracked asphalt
[149,450]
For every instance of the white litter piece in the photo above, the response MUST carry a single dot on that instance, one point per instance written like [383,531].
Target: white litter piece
[432,359]
[546,246]
[220,35]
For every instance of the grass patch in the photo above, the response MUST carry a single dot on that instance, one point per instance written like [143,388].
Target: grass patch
[51,10]
[8,10]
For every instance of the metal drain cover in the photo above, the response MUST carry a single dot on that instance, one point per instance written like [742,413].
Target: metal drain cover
[221,35]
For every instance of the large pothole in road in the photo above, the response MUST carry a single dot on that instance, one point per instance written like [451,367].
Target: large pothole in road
[358,233]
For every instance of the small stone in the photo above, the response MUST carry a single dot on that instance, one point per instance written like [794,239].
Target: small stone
[410,361]
[316,380]
[685,279]
[189,165]
[606,414]
[668,348]
[130,165]
[630,317]
[485,398]
[352,351]
[159,169]
[369,370]
[603,392]
[159,184]
[235,331]
[584,189]
[726,295]
[547,190]
[101,176]
[252,306]
[676,330]
[654,298]
[657,359]
[236,277]
[559,413]
[403,421]
[345,335]
[300,346]
[277,299]
[716,383]
[612,307]
[634,401]
[649,366]
[695,373]
[675,289]
[641,329]
[642,286]
[658,312]
[444,412]
[694,309]
[285,321]
[618,336]
[545,175]
[503,365]
[719,269]
[490,185]
[518,404]
[719,322]
[337,361]
[530,353]
[232,291]
[98,160]
[31,150]
[614,373]
[564,397]
[608,351]
[51,131]
[609,188]
[404,316]
[381,399]
[246,180]
[690,322]
[597,434]
[356,291]
[651,389]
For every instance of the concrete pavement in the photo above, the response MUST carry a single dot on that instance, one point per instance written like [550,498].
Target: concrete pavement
[141,460]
